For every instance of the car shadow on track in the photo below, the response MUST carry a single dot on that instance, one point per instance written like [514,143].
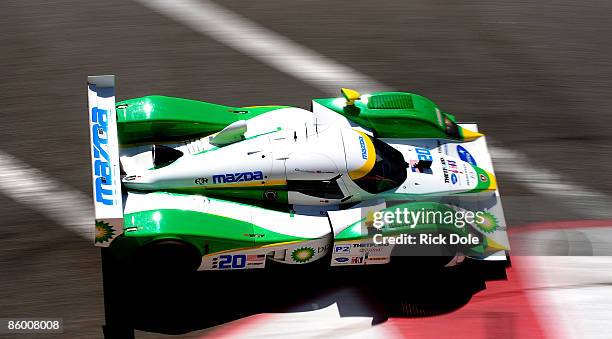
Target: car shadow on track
[181,304]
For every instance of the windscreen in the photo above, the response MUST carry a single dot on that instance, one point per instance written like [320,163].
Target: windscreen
[388,172]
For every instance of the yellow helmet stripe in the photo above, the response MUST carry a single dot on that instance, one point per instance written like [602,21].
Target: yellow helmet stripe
[369,163]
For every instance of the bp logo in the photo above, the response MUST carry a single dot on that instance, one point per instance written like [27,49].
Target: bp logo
[489,223]
[303,254]
[104,231]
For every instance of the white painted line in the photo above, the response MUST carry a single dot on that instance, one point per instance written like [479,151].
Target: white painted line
[582,200]
[264,45]
[287,56]
[326,322]
[571,294]
[37,190]
[72,209]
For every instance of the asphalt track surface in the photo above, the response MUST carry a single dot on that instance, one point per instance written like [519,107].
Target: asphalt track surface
[535,76]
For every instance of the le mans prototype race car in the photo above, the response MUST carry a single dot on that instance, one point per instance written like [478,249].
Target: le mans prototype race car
[192,185]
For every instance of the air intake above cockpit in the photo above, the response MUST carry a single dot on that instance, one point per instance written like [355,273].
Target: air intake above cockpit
[390,101]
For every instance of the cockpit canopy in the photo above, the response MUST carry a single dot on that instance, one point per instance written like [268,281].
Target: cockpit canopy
[388,172]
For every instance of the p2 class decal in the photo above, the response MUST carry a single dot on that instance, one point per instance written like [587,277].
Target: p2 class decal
[342,249]
[465,155]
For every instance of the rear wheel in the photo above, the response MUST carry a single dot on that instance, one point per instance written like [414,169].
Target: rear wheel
[168,255]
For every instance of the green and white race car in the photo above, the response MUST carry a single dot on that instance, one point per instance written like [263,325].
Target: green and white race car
[193,185]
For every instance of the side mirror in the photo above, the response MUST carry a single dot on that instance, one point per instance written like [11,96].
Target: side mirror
[350,95]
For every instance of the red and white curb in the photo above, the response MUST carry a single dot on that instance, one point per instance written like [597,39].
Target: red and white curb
[544,296]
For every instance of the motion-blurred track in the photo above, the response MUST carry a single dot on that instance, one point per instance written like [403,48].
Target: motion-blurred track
[535,76]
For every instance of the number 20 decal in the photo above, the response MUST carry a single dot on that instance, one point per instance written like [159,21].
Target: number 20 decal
[423,154]
[232,261]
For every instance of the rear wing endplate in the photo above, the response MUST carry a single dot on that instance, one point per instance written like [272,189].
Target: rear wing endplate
[105,169]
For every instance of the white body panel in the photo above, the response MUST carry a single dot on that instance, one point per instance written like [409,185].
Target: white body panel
[107,194]
[286,146]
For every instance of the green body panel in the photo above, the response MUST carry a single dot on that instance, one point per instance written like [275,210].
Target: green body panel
[203,230]
[161,118]
[394,115]
[219,233]
[355,231]
[481,186]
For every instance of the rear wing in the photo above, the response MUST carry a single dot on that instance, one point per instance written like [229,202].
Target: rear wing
[105,169]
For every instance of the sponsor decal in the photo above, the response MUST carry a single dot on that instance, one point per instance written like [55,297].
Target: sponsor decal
[302,254]
[423,154]
[341,260]
[377,258]
[415,169]
[237,177]
[364,149]
[227,261]
[445,171]
[357,260]
[369,244]
[104,231]
[323,249]
[465,155]
[254,235]
[488,224]
[467,174]
[342,249]
[201,181]
[370,250]
[103,176]
[256,257]
[452,166]
[270,195]
[453,178]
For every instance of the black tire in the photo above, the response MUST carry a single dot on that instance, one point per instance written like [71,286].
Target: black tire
[167,256]
[432,308]
[421,258]
[432,293]
[419,264]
